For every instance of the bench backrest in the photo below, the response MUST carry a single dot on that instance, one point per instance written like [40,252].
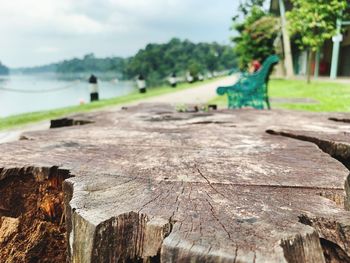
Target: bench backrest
[261,77]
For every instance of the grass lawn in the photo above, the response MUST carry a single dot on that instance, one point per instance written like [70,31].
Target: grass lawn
[22,119]
[332,97]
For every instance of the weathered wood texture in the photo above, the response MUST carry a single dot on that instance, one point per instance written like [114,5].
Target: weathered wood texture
[148,184]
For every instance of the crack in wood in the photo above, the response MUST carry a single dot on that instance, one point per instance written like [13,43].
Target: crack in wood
[209,183]
[333,252]
[150,201]
[236,254]
[337,150]
[217,219]
[339,119]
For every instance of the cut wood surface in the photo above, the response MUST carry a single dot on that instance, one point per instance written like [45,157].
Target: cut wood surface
[149,184]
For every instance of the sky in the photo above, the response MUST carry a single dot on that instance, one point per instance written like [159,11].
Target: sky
[37,32]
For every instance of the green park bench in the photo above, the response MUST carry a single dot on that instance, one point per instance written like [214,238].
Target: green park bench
[251,89]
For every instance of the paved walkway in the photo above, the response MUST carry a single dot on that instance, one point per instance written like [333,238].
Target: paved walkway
[197,95]
[201,94]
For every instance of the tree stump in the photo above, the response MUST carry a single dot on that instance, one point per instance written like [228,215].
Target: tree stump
[149,184]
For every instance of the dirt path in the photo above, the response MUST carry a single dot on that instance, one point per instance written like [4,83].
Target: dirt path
[197,95]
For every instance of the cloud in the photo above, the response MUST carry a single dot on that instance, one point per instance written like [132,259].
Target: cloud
[119,27]
[48,16]
[45,49]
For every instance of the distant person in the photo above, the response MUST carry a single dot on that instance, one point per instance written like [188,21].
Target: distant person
[93,88]
[189,77]
[173,80]
[141,83]
[254,66]
[324,68]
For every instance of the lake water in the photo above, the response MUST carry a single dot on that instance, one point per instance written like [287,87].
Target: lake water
[22,93]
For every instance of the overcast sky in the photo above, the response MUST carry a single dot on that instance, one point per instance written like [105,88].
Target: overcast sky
[36,32]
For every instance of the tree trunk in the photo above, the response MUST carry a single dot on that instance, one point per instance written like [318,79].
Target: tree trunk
[150,184]
[288,60]
[309,66]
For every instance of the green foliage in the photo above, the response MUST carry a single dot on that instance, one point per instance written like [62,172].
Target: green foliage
[91,64]
[246,6]
[312,22]
[3,69]
[36,70]
[257,34]
[195,68]
[88,64]
[157,61]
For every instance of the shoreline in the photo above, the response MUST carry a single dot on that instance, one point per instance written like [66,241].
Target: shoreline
[12,127]
[27,118]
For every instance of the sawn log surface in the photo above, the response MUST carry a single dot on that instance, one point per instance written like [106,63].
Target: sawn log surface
[149,184]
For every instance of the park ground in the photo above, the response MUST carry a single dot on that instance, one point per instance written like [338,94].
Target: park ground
[319,96]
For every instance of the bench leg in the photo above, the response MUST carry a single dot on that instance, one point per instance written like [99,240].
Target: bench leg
[268,103]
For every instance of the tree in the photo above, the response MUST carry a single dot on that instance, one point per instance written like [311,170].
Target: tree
[257,34]
[312,22]
[246,6]
[194,68]
[157,61]
[91,64]
[3,69]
